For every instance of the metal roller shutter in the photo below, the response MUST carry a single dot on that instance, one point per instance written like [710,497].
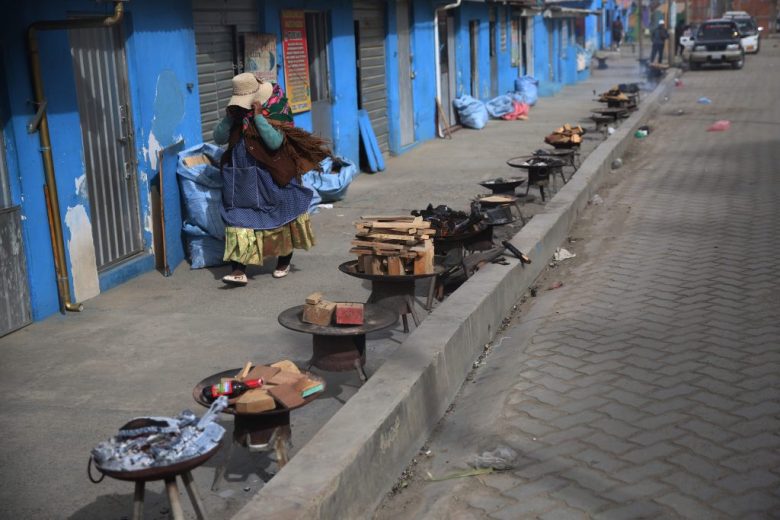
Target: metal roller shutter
[219,25]
[371,53]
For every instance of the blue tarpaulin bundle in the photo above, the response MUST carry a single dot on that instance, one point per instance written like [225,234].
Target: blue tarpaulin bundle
[500,106]
[331,184]
[471,112]
[528,88]
[201,193]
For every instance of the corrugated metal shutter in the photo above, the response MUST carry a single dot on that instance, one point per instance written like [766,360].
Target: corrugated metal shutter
[370,16]
[218,25]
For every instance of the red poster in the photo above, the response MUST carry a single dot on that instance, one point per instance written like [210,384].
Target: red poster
[296,61]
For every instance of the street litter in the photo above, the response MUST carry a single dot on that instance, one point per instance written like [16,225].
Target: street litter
[468,473]
[325,206]
[678,82]
[720,126]
[556,285]
[617,163]
[704,101]
[596,200]
[640,134]
[502,340]
[152,442]
[563,254]
[502,458]
[610,130]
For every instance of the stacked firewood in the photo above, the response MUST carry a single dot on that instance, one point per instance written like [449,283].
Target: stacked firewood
[613,94]
[565,135]
[393,245]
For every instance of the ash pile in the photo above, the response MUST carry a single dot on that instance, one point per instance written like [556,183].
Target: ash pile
[153,442]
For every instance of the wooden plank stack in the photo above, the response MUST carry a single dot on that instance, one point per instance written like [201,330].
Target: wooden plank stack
[566,135]
[393,245]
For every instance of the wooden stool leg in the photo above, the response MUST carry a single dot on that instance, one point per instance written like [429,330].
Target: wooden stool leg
[431,292]
[412,310]
[520,213]
[138,500]
[282,434]
[173,497]
[189,485]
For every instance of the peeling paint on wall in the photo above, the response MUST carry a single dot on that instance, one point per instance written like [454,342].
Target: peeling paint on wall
[81,187]
[152,149]
[168,108]
[81,249]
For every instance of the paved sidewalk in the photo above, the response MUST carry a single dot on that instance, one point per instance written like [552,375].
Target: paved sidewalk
[648,386]
[71,381]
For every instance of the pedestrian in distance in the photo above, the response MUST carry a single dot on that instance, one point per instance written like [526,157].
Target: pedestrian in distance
[264,203]
[679,32]
[659,37]
[617,33]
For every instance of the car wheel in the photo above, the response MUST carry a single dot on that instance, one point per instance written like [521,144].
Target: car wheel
[693,65]
[739,63]
[758,46]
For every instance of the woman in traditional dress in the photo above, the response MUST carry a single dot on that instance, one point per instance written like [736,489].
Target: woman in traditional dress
[264,205]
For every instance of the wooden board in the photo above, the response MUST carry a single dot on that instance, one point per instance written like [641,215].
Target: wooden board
[365,121]
[387,217]
[378,245]
[366,140]
[170,207]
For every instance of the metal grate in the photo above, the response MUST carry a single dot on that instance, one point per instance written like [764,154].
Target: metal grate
[101,85]
[370,18]
[219,28]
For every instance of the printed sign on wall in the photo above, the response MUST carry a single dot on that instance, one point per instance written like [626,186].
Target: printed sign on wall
[296,61]
[514,37]
[260,56]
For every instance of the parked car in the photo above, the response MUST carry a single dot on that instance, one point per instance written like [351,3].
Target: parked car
[736,14]
[748,30]
[686,40]
[717,42]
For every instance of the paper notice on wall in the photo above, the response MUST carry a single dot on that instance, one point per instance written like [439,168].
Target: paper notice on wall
[515,40]
[296,61]
[260,56]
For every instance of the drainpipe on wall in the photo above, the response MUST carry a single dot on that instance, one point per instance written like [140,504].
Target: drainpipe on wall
[439,130]
[41,123]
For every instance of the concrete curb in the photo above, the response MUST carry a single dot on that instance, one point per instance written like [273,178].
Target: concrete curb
[349,465]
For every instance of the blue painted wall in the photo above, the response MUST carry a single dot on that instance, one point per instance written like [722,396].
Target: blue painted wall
[161,106]
[424,68]
[341,53]
[506,72]
[392,71]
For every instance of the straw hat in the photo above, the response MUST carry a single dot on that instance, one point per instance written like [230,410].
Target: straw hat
[246,89]
[266,90]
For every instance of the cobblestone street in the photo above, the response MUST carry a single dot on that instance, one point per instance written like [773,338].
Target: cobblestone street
[648,386]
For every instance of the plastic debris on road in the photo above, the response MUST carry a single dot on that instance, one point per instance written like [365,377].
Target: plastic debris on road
[617,163]
[556,285]
[502,458]
[596,200]
[152,442]
[610,130]
[640,134]
[704,101]
[678,82]
[562,254]
[720,126]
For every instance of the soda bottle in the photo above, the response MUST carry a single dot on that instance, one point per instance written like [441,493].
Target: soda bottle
[231,389]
